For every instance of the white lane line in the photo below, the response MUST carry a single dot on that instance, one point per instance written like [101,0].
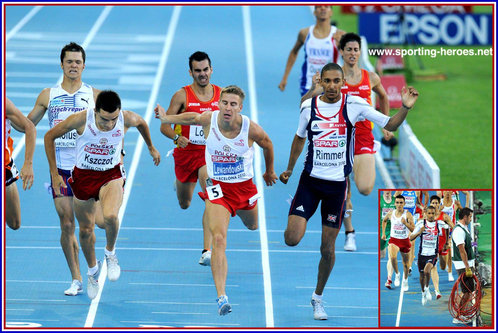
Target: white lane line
[191,325]
[174,303]
[400,304]
[93,31]
[138,151]
[22,22]
[180,284]
[341,288]
[342,307]
[33,300]
[182,313]
[258,175]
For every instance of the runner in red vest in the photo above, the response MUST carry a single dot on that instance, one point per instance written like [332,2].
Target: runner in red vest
[190,164]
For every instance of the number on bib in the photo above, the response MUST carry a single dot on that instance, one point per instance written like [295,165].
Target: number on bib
[214,192]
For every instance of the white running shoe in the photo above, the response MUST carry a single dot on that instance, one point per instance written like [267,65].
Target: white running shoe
[113,269]
[350,243]
[396,279]
[318,310]
[405,285]
[438,294]
[224,306]
[424,300]
[205,259]
[450,277]
[428,295]
[92,288]
[75,289]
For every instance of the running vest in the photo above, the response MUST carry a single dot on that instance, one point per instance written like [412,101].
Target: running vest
[98,150]
[317,53]
[449,210]
[9,143]
[457,259]
[330,144]
[385,208]
[229,160]
[192,104]
[61,105]
[429,239]
[363,90]
[410,201]
[398,229]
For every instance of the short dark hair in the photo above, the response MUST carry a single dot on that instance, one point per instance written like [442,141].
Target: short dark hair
[332,66]
[108,101]
[431,207]
[465,211]
[349,37]
[72,47]
[198,56]
[435,197]
[399,196]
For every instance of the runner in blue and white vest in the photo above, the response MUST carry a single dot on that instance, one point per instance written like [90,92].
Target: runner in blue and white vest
[328,123]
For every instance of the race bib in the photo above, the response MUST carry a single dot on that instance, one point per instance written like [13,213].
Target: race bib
[214,192]
[196,135]
[68,140]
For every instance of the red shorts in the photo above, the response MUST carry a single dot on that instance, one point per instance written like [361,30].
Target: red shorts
[363,139]
[236,196]
[188,163]
[86,184]
[403,244]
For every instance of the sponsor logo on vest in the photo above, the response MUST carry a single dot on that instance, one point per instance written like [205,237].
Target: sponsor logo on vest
[91,130]
[118,133]
[103,141]
[240,143]
[226,148]
[194,104]
[331,218]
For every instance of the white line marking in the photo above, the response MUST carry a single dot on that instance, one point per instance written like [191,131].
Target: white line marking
[32,300]
[258,175]
[400,304]
[96,26]
[177,323]
[174,303]
[342,307]
[341,288]
[180,284]
[22,22]
[138,151]
[182,313]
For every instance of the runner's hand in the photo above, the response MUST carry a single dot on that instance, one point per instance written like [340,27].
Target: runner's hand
[284,176]
[27,176]
[270,178]
[57,183]
[468,272]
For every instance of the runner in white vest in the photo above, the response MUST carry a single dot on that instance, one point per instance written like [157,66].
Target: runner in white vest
[59,102]
[98,174]
[230,189]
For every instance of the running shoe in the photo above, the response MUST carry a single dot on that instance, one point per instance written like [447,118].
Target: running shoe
[224,307]
[113,269]
[205,259]
[428,295]
[424,300]
[388,284]
[405,285]
[438,294]
[92,288]
[396,279]
[350,243]
[75,289]
[450,277]
[318,310]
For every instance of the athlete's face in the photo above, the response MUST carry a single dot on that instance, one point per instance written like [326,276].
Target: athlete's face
[323,12]
[435,203]
[351,53]
[201,72]
[331,82]
[447,194]
[431,215]
[73,65]
[106,121]
[230,105]
[387,194]
[399,204]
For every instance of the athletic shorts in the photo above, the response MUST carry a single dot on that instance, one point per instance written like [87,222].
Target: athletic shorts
[384,243]
[188,163]
[11,173]
[311,191]
[65,192]
[403,244]
[467,284]
[363,141]
[86,184]
[232,196]
[424,260]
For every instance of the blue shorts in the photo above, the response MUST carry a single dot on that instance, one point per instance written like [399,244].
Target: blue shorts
[311,191]
[424,260]
[66,192]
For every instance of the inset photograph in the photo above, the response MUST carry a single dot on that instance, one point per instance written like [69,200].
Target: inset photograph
[435,258]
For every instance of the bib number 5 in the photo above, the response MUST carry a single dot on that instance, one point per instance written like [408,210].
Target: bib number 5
[214,192]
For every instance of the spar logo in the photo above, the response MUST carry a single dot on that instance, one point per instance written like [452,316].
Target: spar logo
[329,143]
[223,159]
